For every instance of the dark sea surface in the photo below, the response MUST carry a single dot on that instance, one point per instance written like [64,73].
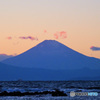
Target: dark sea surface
[40,86]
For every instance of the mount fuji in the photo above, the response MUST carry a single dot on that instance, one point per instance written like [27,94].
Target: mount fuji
[50,60]
[51,54]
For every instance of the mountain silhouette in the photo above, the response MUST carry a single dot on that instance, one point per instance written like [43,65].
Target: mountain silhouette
[50,60]
[51,54]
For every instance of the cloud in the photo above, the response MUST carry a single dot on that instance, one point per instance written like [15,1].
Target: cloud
[28,37]
[9,38]
[45,31]
[95,48]
[61,35]
[56,35]
[5,56]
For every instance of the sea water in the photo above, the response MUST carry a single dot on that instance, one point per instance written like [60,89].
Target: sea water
[40,86]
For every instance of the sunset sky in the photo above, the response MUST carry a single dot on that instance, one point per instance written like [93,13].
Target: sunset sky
[25,23]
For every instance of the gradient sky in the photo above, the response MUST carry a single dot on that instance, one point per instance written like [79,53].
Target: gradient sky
[42,19]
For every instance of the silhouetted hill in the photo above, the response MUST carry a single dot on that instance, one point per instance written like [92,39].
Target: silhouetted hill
[8,72]
[4,56]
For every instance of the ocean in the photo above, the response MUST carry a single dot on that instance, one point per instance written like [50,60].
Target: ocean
[48,90]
